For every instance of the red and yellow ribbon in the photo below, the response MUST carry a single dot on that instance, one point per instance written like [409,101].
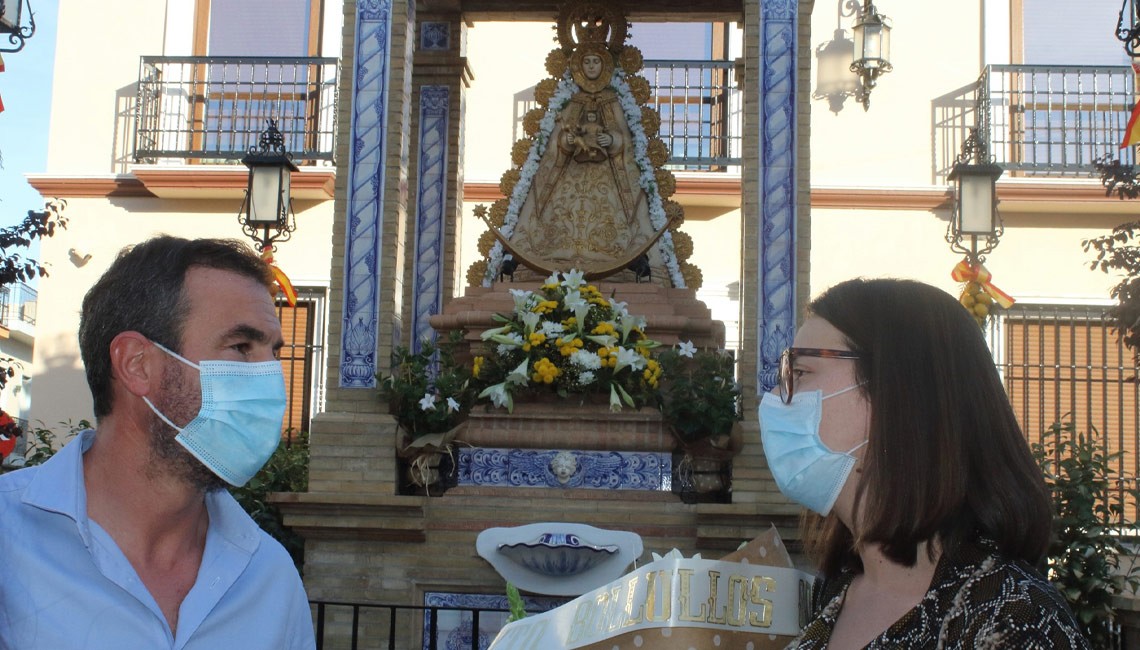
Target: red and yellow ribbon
[964,271]
[279,276]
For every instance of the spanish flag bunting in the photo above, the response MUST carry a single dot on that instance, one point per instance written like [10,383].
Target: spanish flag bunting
[1132,131]
[283,282]
[966,272]
[1,70]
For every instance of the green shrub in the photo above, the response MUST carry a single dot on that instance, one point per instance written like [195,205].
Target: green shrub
[43,442]
[1089,559]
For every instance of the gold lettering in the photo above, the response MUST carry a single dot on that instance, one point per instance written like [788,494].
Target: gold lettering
[714,579]
[685,596]
[737,600]
[651,596]
[764,618]
[581,625]
[614,611]
[602,601]
[631,589]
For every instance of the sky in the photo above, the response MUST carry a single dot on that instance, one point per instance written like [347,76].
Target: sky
[25,88]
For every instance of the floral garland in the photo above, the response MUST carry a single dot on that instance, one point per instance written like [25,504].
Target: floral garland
[647,180]
[565,91]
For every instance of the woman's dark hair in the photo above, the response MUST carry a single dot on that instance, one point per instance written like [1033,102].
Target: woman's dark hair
[142,291]
[945,456]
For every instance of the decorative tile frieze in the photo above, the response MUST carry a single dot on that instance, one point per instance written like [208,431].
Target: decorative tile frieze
[553,468]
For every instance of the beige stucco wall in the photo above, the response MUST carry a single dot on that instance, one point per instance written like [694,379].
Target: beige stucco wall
[102,228]
[894,148]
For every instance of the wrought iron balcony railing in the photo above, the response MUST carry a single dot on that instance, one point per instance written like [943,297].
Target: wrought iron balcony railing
[700,107]
[701,113]
[1055,120]
[17,304]
[213,109]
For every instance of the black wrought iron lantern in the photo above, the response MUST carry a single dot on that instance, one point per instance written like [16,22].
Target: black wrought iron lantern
[975,213]
[872,33]
[17,22]
[266,215]
[1128,27]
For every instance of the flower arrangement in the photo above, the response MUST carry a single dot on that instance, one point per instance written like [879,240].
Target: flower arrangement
[428,392]
[698,396]
[567,338]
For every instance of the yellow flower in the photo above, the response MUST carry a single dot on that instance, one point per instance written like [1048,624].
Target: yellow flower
[476,366]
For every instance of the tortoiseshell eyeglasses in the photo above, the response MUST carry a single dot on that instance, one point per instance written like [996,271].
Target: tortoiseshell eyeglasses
[787,377]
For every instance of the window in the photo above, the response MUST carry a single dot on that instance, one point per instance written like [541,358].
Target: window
[1063,32]
[240,92]
[302,358]
[1067,362]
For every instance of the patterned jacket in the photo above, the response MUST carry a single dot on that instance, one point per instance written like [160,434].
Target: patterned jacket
[977,599]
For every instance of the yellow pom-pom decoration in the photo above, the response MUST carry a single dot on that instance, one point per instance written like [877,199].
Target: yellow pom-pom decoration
[544,90]
[666,182]
[682,245]
[531,121]
[639,88]
[520,151]
[508,181]
[693,276]
[650,121]
[657,152]
[497,215]
[631,59]
[475,273]
[486,243]
[674,211]
[556,63]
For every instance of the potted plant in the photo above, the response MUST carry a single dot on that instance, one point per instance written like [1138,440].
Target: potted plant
[699,400]
[430,394]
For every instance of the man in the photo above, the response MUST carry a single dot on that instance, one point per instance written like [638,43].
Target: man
[125,538]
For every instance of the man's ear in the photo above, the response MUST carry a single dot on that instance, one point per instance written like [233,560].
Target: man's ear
[136,363]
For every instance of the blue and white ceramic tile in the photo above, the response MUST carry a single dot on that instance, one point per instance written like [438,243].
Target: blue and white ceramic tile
[777,168]
[435,36]
[598,470]
[363,229]
[453,629]
[427,290]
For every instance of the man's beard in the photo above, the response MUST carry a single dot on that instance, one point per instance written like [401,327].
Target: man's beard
[168,456]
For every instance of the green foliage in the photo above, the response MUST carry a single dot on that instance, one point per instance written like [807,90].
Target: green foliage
[514,599]
[1119,252]
[1089,560]
[698,396]
[286,471]
[433,376]
[43,442]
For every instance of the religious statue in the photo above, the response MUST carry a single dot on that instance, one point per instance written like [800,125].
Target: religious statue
[588,197]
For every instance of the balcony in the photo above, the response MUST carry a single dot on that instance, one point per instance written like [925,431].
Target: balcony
[213,109]
[701,112]
[1041,121]
[18,311]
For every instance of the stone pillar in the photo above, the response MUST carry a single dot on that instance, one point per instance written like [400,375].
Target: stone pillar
[441,75]
[353,440]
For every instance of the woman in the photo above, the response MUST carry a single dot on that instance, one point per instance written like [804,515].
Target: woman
[891,423]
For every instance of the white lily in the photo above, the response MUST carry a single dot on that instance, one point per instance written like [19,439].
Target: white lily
[615,401]
[522,299]
[499,395]
[627,357]
[452,405]
[487,334]
[574,279]
[604,340]
[553,279]
[686,349]
[428,402]
[519,375]
[530,320]
[573,301]
[511,340]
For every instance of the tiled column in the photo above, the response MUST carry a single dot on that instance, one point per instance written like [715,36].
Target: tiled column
[776,166]
[441,74]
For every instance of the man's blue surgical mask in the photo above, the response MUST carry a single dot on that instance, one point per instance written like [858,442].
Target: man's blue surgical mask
[805,469]
[238,426]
